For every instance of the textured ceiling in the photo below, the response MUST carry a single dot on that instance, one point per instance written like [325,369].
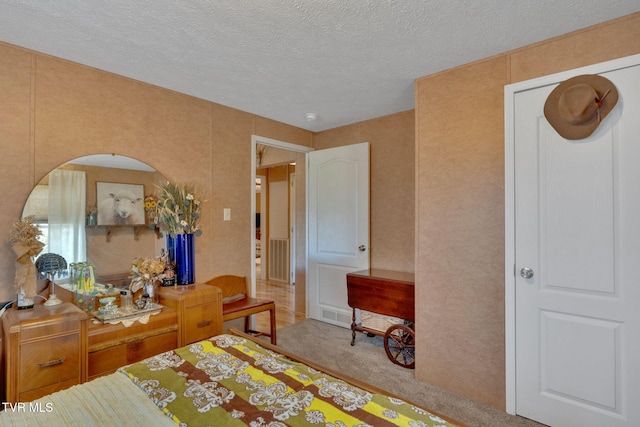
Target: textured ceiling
[347,60]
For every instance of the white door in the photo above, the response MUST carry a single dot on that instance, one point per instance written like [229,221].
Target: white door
[338,222]
[292,226]
[577,230]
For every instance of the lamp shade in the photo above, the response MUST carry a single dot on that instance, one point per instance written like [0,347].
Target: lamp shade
[50,263]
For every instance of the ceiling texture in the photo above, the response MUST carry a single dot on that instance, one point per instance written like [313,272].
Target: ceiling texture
[346,60]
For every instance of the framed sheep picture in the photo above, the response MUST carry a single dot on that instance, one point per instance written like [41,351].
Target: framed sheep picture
[120,204]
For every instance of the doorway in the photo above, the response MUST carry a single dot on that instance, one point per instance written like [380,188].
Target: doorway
[262,149]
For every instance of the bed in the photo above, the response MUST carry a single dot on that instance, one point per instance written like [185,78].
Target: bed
[227,380]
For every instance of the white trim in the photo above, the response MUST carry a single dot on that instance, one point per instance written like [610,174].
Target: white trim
[255,139]
[292,229]
[510,92]
[509,253]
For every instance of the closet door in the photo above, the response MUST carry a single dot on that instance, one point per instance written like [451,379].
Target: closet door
[577,248]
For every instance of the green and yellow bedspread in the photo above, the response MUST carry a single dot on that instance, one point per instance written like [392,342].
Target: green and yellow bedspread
[231,381]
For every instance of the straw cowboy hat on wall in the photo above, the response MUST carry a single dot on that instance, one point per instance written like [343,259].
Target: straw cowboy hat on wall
[576,106]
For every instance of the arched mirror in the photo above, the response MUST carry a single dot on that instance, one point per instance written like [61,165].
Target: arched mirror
[93,209]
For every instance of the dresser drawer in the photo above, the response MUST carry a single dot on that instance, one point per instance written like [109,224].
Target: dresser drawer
[201,296]
[199,310]
[201,323]
[108,358]
[44,363]
[43,391]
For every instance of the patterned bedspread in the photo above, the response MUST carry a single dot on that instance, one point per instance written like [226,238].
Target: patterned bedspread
[231,381]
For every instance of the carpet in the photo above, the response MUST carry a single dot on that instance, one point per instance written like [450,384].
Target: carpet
[367,361]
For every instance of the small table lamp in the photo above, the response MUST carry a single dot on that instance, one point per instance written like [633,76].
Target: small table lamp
[49,264]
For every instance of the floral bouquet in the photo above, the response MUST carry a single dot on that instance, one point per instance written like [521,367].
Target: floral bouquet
[145,271]
[150,207]
[25,244]
[150,203]
[178,209]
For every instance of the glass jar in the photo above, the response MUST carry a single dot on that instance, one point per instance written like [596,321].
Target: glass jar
[126,301]
[152,289]
[82,279]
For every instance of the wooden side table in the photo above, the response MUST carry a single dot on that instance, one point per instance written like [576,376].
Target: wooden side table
[386,292]
[389,293]
[44,350]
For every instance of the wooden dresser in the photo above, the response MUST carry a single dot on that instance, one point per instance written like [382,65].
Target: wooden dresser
[44,350]
[51,348]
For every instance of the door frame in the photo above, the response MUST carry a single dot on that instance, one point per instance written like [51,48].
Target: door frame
[264,217]
[292,229]
[510,91]
[255,140]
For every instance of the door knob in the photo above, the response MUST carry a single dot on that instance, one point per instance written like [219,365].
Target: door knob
[362,248]
[526,272]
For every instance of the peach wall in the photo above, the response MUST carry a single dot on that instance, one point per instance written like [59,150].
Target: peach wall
[451,198]
[392,145]
[460,205]
[54,110]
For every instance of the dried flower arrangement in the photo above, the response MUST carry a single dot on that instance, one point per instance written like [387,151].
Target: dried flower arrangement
[178,209]
[25,244]
[25,232]
[145,270]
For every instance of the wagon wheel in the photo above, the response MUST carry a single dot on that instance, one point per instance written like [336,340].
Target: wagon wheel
[399,344]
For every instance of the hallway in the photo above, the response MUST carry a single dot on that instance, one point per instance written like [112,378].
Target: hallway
[284,296]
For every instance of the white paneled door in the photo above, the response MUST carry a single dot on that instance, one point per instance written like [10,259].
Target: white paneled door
[338,221]
[576,263]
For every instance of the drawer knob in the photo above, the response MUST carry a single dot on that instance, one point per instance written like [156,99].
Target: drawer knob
[52,362]
[203,324]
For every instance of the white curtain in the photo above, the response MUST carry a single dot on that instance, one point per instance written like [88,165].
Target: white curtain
[67,204]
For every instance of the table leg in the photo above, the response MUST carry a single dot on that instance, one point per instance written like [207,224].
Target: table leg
[353,327]
[272,314]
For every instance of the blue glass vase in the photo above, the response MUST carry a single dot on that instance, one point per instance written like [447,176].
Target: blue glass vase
[185,258]
[170,246]
[170,271]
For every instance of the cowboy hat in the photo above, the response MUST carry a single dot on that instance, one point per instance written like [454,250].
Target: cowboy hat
[576,106]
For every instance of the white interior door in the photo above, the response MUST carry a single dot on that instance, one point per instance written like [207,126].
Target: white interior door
[292,227]
[338,223]
[577,228]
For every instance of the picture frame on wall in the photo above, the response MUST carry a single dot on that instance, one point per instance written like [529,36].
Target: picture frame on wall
[120,204]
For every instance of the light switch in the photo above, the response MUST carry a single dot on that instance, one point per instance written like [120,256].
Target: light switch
[227,214]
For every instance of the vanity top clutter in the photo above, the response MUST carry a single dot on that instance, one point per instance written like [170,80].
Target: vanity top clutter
[106,302]
[119,295]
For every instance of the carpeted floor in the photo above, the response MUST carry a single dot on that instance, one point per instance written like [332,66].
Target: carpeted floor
[367,361]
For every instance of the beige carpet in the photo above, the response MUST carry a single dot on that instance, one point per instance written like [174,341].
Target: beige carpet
[367,361]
